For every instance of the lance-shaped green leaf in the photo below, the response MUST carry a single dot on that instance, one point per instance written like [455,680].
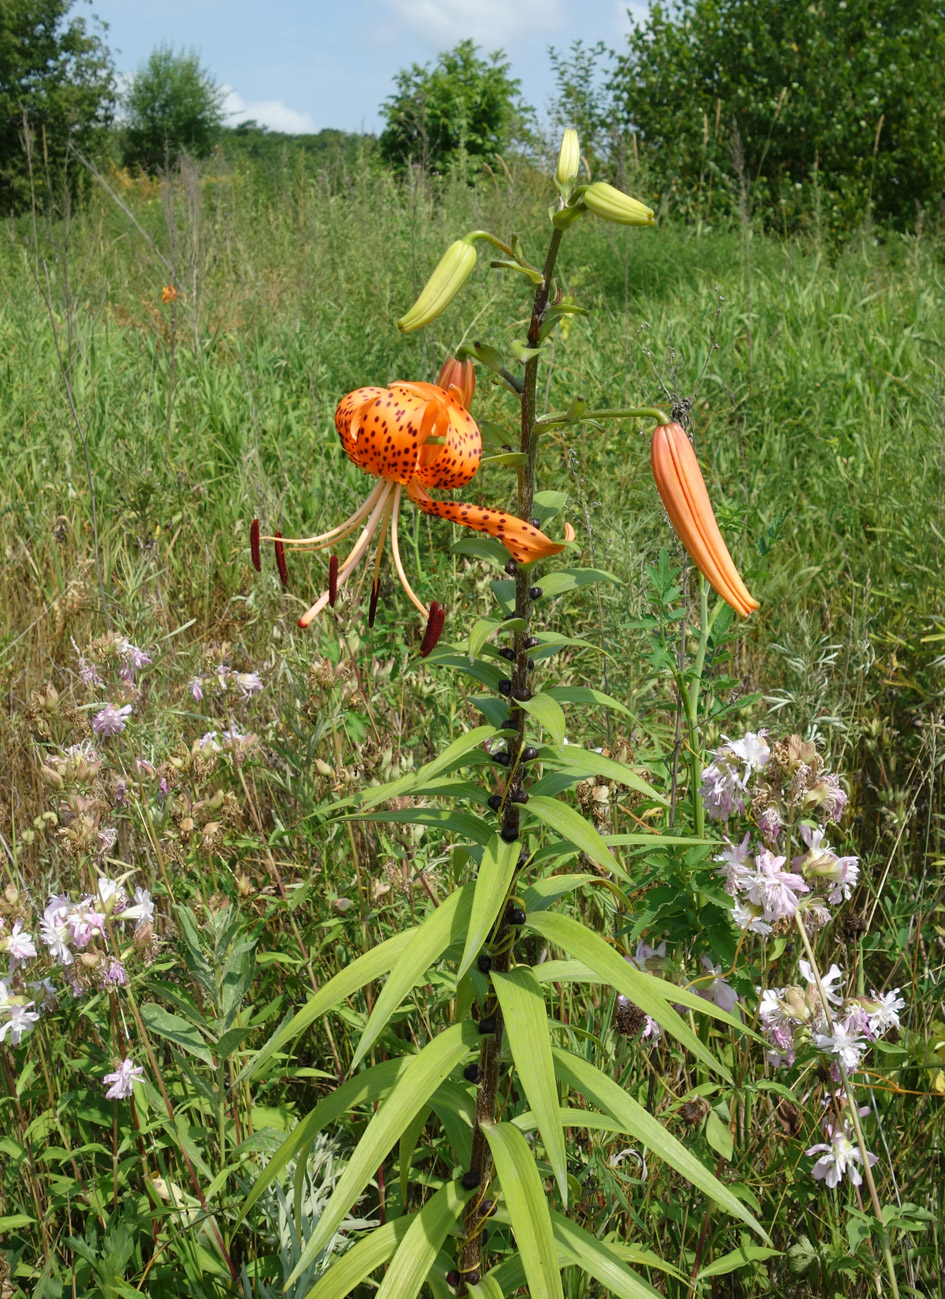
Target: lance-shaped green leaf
[594,1258]
[412,1092]
[492,885]
[442,927]
[652,995]
[583,762]
[610,1097]
[485,673]
[548,713]
[452,756]
[735,1259]
[545,893]
[527,1203]
[427,1231]
[358,1262]
[526,1023]
[570,825]
[371,1085]
[568,579]
[354,976]
[407,1145]
[466,824]
[587,695]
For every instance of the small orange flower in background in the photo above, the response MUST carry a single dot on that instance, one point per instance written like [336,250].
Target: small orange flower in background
[169,293]
[411,436]
[683,493]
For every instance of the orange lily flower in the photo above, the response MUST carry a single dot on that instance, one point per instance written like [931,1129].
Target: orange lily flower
[683,493]
[411,436]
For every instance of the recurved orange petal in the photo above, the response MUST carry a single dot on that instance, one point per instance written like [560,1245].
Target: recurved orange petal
[523,541]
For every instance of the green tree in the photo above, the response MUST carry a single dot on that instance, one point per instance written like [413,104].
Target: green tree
[842,105]
[172,104]
[462,104]
[57,91]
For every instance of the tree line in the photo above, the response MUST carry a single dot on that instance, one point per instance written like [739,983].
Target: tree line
[834,109]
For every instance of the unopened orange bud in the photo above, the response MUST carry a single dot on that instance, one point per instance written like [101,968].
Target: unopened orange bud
[460,376]
[683,493]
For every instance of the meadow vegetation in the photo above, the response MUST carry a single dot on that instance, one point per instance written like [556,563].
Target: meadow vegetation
[170,361]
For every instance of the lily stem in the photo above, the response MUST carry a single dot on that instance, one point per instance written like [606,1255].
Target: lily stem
[471,1261]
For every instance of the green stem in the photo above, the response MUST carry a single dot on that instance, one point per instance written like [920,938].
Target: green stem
[556,420]
[471,1256]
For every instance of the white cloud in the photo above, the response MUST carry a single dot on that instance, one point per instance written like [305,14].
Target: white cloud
[267,112]
[488,22]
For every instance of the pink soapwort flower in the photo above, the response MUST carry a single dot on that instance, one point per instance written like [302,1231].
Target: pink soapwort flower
[135,658]
[883,1010]
[85,922]
[651,1030]
[248,683]
[111,720]
[840,1157]
[753,750]
[88,672]
[720,992]
[771,822]
[775,889]
[750,918]
[19,1018]
[828,980]
[122,1080]
[222,672]
[196,688]
[116,975]
[847,1047]
[18,945]
[649,958]
[735,869]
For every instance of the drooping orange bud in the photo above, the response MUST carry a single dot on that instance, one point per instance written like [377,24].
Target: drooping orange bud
[683,493]
[461,376]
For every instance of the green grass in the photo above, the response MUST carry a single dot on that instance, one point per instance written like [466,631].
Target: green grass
[820,420]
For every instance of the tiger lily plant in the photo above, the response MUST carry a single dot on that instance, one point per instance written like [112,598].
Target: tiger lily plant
[683,493]
[410,436]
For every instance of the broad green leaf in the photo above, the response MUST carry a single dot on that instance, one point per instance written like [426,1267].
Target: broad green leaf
[481,548]
[548,713]
[567,579]
[567,822]
[412,1092]
[442,927]
[586,695]
[652,995]
[370,966]
[425,1235]
[358,1262]
[565,972]
[451,757]
[406,1146]
[371,1085]
[638,985]
[492,884]
[481,630]
[594,1258]
[485,673]
[526,1023]
[735,1259]
[488,1288]
[584,762]
[527,1203]
[549,642]
[175,1029]
[719,1136]
[545,893]
[613,1099]
[548,504]
[466,824]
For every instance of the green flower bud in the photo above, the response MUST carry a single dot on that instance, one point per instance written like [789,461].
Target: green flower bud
[441,288]
[569,158]
[613,205]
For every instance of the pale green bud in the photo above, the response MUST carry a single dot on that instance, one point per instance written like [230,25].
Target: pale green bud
[441,288]
[569,158]
[613,205]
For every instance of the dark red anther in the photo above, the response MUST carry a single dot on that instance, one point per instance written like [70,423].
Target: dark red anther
[280,559]
[254,545]
[434,629]
[372,608]
[333,580]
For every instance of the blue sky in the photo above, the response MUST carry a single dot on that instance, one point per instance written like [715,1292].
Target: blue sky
[301,65]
